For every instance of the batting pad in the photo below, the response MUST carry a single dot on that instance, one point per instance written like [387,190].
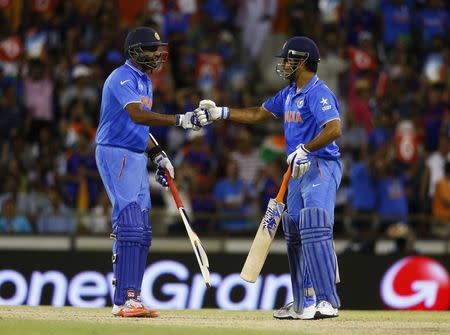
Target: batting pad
[145,245]
[302,290]
[130,237]
[316,233]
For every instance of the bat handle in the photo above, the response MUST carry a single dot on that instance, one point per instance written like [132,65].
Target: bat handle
[284,185]
[173,189]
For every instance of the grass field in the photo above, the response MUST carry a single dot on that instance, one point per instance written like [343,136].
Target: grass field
[49,320]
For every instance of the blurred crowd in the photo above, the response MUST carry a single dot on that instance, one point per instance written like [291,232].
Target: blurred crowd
[386,60]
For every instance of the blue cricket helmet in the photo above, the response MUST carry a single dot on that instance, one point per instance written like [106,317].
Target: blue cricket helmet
[296,51]
[300,47]
[142,37]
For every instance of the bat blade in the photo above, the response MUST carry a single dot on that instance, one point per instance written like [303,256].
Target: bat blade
[262,241]
[199,250]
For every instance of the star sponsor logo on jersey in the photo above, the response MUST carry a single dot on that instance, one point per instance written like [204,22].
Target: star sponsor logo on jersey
[300,103]
[325,105]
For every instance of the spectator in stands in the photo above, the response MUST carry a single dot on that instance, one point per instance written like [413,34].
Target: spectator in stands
[359,105]
[11,221]
[82,178]
[441,201]
[34,198]
[392,205]
[247,158]
[396,20]
[435,110]
[233,197]
[203,204]
[383,133]
[268,182]
[432,21]
[354,138]
[83,89]
[356,20]
[99,218]
[197,153]
[38,97]
[11,110]
[56,217]
[434,172]
[362,201]
[332,62]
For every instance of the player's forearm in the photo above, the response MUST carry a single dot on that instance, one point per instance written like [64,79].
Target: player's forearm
[152,118]
[329,133]
[249,115]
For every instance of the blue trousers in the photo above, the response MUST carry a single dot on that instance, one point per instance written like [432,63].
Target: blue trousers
[125,177]
[315,189]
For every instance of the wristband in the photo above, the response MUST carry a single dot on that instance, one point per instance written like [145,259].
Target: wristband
[302,146]
[179,119]
[155,151]
[225,113]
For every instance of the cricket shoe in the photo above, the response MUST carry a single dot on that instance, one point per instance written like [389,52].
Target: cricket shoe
[288,313]
[133,308]
[325,310]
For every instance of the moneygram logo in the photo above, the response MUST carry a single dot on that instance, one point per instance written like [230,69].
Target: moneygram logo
[416,283]
[184,289]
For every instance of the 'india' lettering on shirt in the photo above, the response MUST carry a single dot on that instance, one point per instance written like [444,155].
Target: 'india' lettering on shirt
[292,116]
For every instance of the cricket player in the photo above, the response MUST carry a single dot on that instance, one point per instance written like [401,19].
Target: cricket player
[311,125]
[121,155]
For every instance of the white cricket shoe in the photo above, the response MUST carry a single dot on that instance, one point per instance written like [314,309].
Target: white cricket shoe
[325,310]
[288,313]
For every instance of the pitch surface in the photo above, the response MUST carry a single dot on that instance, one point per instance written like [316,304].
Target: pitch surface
[68,320]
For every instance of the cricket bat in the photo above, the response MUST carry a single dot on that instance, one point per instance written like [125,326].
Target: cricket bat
[199,250]
[265,234]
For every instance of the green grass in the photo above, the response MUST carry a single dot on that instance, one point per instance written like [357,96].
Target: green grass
[67,321]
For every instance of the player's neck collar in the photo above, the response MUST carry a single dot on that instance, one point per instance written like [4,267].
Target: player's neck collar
[130,64]
[310,84]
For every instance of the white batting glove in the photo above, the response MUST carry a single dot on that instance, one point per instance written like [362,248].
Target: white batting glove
[299,161]
[209,112]
[188,121]
[163,164]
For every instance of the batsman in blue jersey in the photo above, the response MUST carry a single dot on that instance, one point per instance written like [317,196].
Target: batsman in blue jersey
[311,125]
[121,153]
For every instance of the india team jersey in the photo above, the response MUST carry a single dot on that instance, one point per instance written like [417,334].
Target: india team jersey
[305,113]
[124,85]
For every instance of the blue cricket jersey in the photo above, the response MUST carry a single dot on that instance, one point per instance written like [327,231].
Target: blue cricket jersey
[305,113]
[125,85]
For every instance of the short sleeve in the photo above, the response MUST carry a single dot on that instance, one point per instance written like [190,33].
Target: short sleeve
[323,105]
[125,91]
[275,104]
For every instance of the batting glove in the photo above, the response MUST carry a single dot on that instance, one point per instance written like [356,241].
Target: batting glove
[299,161]
[209,112]
[188,121]
[160,177]
[163,164]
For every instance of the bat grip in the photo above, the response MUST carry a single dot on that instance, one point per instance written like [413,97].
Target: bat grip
[173,189]
[284,185]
